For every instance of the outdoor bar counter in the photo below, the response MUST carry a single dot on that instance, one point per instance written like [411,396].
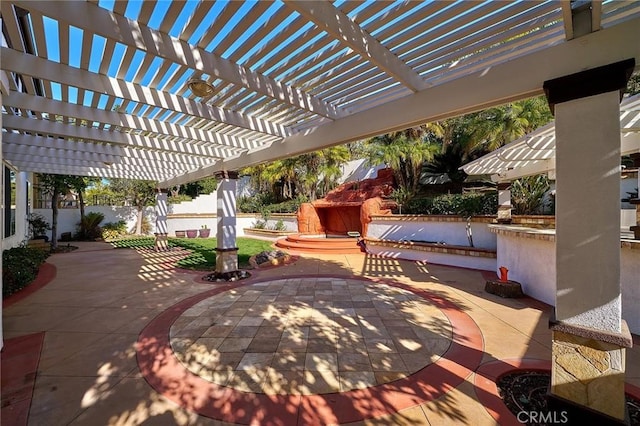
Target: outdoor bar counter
[530,256]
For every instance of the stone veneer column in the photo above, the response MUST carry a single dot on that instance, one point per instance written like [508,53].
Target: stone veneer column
[589,335]
[504,202]
[161,219]
[227,250]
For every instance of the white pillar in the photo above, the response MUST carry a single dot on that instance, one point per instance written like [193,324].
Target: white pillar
[227,250]
[588,212]
[161,219]
[504,202]
[589,335]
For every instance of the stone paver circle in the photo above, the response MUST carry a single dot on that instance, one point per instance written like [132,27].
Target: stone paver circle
[310,336]
[159,351]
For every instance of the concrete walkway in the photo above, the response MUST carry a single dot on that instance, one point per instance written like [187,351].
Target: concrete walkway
[124,339]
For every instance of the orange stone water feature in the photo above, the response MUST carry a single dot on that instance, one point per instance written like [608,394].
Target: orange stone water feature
[346,209]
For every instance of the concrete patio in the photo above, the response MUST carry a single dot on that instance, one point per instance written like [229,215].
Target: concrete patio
[122,337]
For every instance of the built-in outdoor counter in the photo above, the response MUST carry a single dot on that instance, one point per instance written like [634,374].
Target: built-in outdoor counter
[530,256]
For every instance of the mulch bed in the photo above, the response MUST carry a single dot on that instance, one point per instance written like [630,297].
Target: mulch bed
[526,391]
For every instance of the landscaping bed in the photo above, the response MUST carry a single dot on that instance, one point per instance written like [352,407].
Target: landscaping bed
[526,391]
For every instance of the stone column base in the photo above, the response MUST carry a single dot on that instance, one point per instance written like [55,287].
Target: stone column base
[226,260]
[587,370]
[161,243]
[504,214]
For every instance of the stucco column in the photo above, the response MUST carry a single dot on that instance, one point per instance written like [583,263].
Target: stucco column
[504,202]
[161,219]
[589,335]
[227,250]
[3,89]
[636,201]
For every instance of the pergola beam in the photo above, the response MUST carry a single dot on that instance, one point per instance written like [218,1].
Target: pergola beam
[493,86]
[227,143]
[32,141]
[46,127]
[137,35]
[342,28]
[105,172]
[34,66]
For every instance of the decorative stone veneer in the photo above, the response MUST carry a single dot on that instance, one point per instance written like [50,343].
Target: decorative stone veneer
[589,372]
[226,260]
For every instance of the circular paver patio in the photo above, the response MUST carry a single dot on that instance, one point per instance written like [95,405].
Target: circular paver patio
[295,336]
[331,349]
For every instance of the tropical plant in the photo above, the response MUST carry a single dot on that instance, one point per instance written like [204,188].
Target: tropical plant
[495,127]
[528,194]
[89,226]
[405,152]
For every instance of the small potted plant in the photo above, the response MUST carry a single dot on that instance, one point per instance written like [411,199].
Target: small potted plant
[181,234]
[192,233]
[205,232]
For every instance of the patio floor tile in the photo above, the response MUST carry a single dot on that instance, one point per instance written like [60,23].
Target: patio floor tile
[161,347]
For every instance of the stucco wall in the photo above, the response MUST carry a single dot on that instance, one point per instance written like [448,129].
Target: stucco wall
[431,230]
[68,218]
[630,279]
[532,262]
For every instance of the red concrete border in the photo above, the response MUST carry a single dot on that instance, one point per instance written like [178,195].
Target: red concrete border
[487,391]
[46,274]
[19,360]
[163,371]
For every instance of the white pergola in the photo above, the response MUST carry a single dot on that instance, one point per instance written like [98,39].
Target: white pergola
[535,153]
[108,89]
[100,88]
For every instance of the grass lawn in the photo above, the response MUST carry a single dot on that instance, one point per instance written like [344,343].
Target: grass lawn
[203,254]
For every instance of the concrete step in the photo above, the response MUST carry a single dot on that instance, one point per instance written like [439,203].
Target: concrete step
[319,245]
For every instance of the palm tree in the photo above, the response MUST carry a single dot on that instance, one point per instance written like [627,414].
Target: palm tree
[405,152]
[495,127]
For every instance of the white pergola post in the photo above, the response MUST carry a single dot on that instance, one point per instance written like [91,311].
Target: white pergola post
[161,219]
[504,202]
[226,250]
[589,335]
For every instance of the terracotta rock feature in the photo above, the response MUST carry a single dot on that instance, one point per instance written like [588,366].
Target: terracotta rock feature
[349,207]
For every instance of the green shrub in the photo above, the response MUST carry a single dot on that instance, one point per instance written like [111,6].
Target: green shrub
[260,224]
[111,230]
[279,226]
[258,203]
[470,204]
[38,226]
[20,267]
